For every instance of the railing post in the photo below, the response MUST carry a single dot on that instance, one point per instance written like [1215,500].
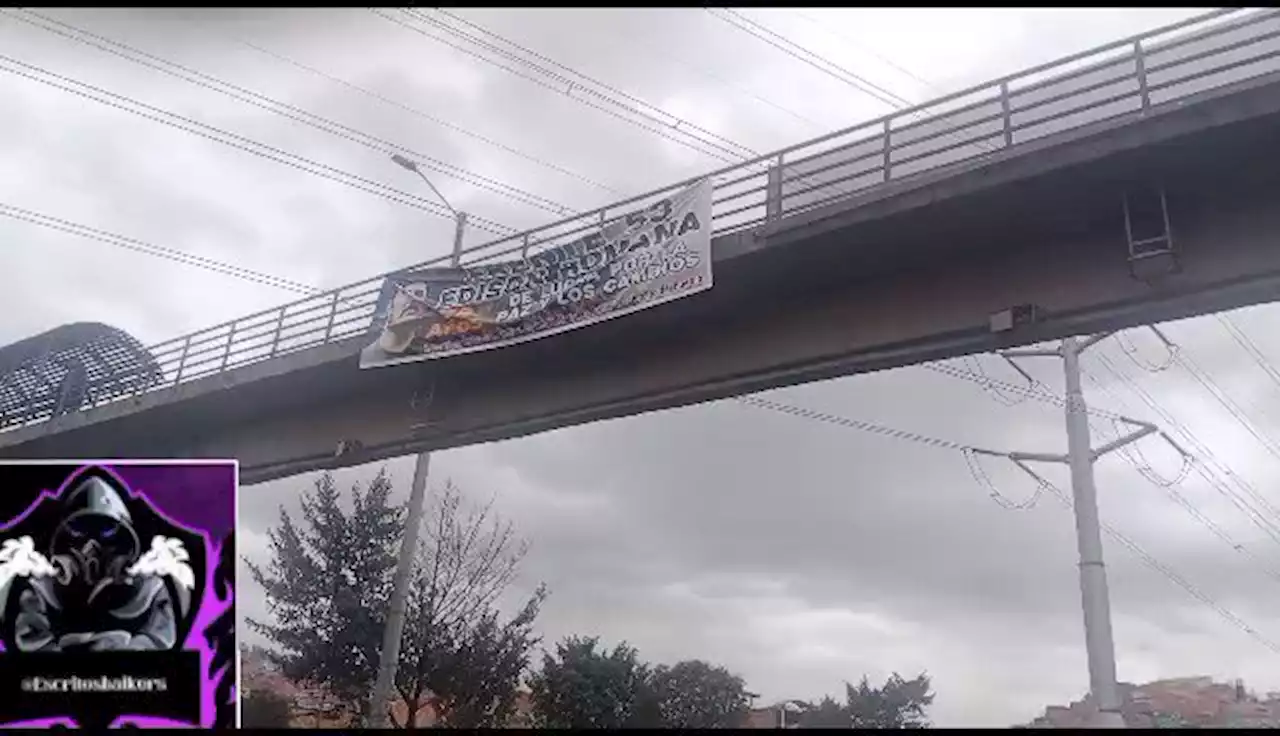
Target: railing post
[333,314]
[226,351]
[888,148]
[1006,115]
[182,360]
[275,335]
[773,192]
[1140,66]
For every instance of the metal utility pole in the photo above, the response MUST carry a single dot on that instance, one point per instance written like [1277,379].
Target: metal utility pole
[1080,457]
[393,631]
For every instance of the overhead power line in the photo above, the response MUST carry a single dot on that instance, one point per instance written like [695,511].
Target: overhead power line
[664,52]
[1144,556]
[1254,507]
[1179,356]
[460,129]
[1242,338]
[834,70]
[139,246]
[796,51]
[1224,399]
[587,90]
[827,27]
[1133,456]
[285,110]
[1003,386]
[897,434]
[613,109]
[1154,563]
[227,138]
[570,76]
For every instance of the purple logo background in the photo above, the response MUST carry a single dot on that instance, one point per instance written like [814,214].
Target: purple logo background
[199,497]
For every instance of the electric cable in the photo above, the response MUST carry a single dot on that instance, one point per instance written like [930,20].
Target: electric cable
[139,246]
[1044,484]
[218,135]
[418,112]
[285,110]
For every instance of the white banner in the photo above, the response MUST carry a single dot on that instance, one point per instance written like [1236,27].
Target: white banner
[649,257]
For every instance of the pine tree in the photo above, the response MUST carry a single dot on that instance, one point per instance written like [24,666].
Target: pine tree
[327,587]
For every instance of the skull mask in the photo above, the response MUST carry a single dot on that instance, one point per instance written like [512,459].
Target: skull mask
[95,542]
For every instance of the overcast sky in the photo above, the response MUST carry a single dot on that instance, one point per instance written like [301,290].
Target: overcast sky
[797,554]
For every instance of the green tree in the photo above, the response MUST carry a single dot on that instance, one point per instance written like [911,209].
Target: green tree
[265,709]
[327,586]
[828,713]
[582,686]
[898,703]
[457,652]
[694,694]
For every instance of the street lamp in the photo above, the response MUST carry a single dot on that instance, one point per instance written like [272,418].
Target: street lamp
[392,632]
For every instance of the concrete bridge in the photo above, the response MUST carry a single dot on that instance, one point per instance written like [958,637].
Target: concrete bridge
[1129,184]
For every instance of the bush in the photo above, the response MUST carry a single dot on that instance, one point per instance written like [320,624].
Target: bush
[265,709]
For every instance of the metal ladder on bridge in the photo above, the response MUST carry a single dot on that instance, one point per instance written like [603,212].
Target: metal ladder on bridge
[1150,236]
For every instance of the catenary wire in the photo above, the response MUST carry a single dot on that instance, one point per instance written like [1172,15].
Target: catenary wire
[1205,456]
[565,91]
[139,246]
[593,86]
[840,73]
[460,129]
[285,110]
[1146,557]
[826,27]
[1134,457]
[164,117]
[795,51]
[588,85]
[1185,361]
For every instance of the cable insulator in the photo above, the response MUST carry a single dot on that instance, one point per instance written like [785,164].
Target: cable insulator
[980,475]
[1131,351]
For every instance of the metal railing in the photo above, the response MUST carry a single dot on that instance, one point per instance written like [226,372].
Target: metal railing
[1122,77]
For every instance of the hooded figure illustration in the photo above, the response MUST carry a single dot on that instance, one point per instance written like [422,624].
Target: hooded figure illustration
[94,589]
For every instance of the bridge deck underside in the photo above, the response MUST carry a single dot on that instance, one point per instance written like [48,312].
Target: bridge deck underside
[905,276]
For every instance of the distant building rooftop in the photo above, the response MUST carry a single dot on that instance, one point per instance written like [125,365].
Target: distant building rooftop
[69,367]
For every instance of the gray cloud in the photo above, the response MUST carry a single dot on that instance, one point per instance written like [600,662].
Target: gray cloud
[797,553]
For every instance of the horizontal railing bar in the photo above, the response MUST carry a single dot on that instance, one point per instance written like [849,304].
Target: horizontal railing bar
[747,177]
[291,327]
[1073,75]
[1074,110]
[994,117]
[807,206]
[799,192]
[1210,72]
[994,99]
[876,133]
[744,208]
[207,339]
[876,154]
[950,147]
[1217,51]
[1126,77]
[1249,19]
[740,195]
